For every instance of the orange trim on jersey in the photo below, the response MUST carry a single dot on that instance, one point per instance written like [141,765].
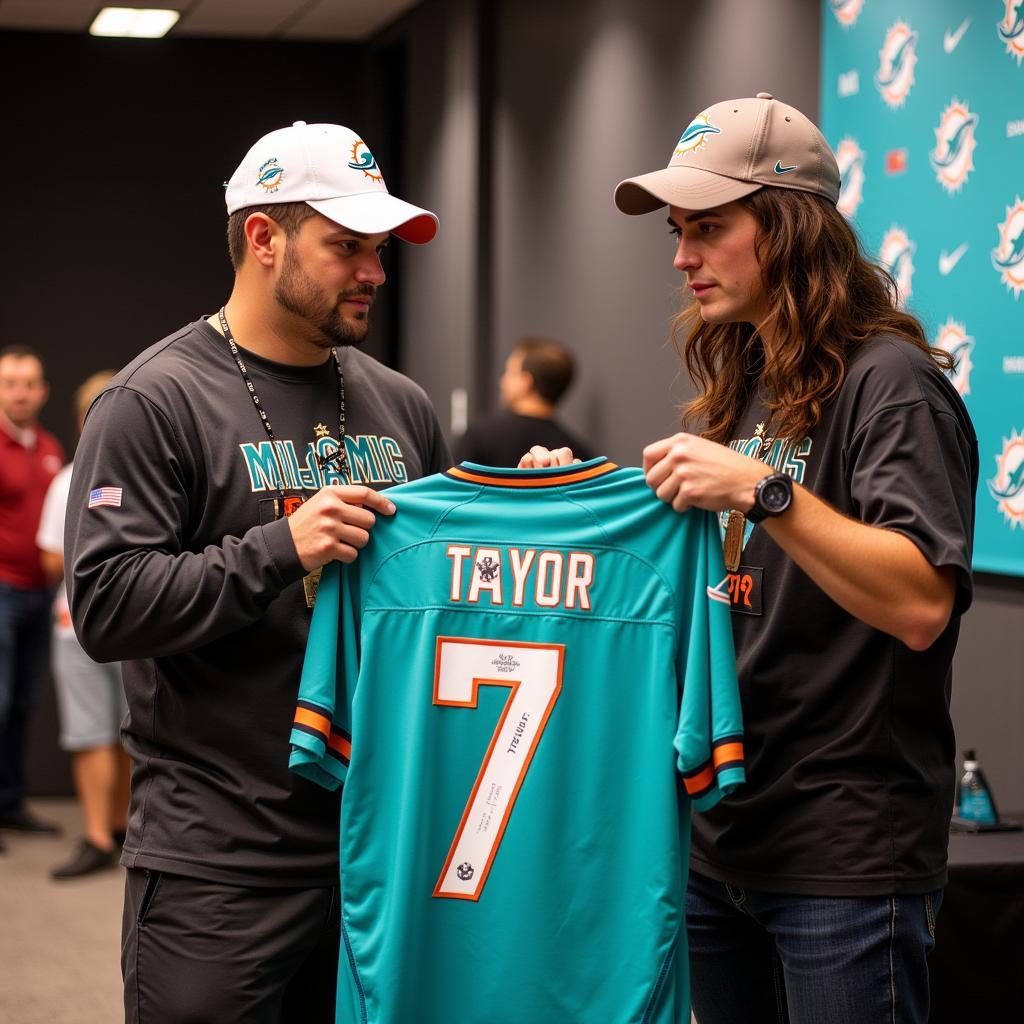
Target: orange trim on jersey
[303,716]
[701,782]
[341,745]
[728,752]
[533,481]
[322,724]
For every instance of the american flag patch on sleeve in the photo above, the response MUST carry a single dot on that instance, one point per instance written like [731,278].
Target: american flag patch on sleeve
[105,497]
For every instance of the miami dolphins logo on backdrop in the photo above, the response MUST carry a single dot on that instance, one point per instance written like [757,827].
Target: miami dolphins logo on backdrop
[1011,28]
[696,136]
[846,11]
[1008,256]
[270,175]
[850,158]
[954,339]
[1007,486]
[897,256]
[896,70]
[363,160]
[953,156]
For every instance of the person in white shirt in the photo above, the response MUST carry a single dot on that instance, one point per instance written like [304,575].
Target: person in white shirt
[90,696]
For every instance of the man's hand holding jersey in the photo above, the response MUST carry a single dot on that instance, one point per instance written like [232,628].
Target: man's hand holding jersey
[335,524]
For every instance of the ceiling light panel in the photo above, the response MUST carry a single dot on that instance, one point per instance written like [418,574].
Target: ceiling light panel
[134,22]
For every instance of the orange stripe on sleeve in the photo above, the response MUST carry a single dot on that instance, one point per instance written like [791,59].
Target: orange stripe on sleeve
[303,716]
[698,783]
[341,745]
[728,752]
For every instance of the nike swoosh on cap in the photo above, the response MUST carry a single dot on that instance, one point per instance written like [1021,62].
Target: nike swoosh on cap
[779,169]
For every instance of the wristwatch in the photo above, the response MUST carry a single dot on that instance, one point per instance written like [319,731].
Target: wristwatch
[772,496]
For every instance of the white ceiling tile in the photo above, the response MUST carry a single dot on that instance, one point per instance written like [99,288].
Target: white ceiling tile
[231,18]
[55,15]
[341,19]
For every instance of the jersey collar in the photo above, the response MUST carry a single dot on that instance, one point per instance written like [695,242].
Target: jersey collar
[553,476]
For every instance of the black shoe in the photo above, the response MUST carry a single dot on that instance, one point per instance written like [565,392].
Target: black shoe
[23,820]
[84,861]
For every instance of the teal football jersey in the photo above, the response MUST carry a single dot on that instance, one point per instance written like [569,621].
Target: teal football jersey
[524,682]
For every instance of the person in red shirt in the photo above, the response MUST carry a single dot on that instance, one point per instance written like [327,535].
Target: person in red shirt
[30,457]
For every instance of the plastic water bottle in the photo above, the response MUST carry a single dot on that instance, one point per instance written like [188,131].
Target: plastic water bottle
[976,801]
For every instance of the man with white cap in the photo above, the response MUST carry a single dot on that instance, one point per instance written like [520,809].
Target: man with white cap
[216,474]
[843,466]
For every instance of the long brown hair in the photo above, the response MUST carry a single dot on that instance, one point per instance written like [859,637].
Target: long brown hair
[824,297]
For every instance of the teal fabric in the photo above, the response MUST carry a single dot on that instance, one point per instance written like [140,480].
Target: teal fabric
[603,717]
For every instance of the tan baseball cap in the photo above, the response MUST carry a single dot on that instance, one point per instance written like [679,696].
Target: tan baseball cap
[732,149]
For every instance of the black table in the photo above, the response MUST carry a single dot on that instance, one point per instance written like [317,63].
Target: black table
[977,966]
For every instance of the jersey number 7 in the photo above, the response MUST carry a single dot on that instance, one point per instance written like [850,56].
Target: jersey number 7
[533,674]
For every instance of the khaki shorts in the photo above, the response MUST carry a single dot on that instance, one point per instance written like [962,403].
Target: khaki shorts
[90,696]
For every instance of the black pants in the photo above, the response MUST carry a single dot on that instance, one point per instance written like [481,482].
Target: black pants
[25,624]
[198,952]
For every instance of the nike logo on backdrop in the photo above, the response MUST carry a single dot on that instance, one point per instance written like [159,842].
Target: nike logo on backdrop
[779,169]
[951,40]
[947,263]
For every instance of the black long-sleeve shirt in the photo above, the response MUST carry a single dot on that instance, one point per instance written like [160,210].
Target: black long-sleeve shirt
[191,580]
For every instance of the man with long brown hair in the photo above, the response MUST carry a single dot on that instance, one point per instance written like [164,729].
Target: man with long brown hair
[843,465]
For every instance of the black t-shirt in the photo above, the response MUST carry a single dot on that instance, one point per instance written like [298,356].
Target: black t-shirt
[849,743]
[503,438]
[196,587]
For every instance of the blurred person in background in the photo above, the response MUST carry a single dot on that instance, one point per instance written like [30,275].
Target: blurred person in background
[537,375]
[90,696]
[30,457]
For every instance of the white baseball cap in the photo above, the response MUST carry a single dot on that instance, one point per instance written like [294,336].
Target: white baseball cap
[332,169]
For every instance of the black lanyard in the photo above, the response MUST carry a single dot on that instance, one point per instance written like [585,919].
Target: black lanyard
[338,455]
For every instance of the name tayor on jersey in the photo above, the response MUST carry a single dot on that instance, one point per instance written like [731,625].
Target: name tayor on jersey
[552,579]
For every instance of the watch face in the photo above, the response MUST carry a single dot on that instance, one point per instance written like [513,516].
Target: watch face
[775,496]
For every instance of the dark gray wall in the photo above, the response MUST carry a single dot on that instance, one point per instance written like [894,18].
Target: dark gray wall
[988,685]
[516,131]
[590,93]
[441,161]
[583,94]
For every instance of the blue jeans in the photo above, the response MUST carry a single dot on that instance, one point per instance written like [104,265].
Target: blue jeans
[25,618]
[772,958]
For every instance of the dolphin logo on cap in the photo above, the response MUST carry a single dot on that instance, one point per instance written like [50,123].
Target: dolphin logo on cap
[364,161]
[696,135]
[270,175]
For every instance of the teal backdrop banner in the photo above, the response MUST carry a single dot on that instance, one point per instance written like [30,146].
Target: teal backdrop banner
[923,103]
